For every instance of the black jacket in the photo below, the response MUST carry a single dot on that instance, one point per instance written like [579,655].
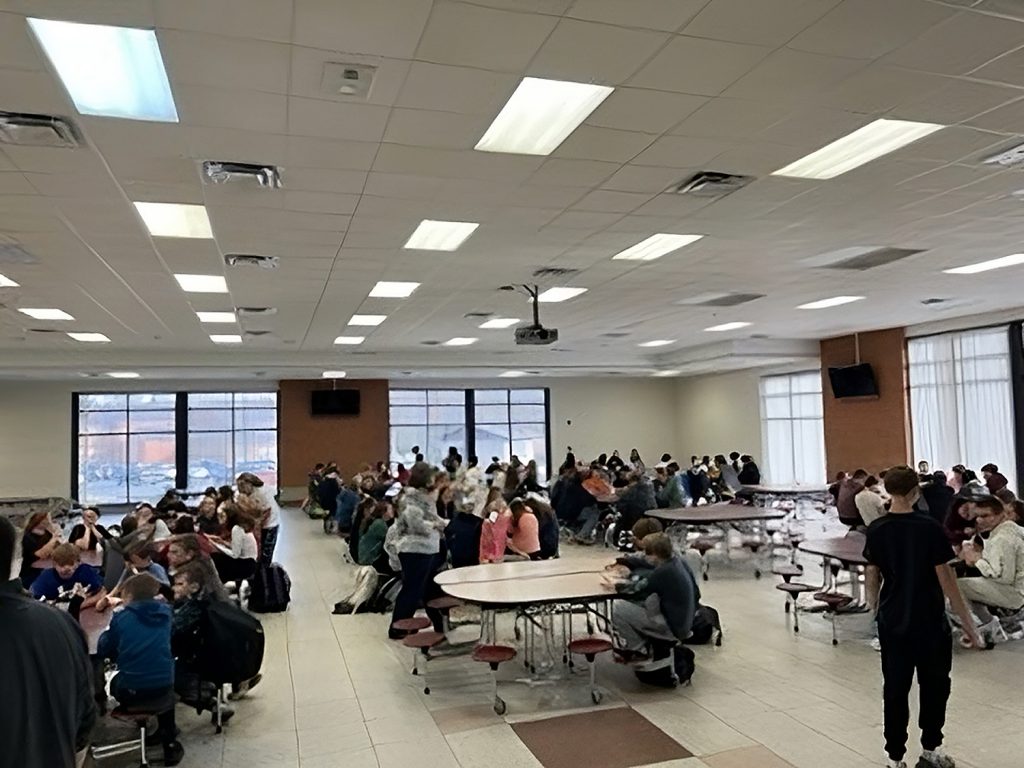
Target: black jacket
[674,584]
[49,711]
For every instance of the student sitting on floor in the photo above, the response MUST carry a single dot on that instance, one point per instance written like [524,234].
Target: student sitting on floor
[139,641]
[663,600]
[547,525]
[140,560]
[69,578]
[373,531]
[240,564]
[88,534]
[1000,562]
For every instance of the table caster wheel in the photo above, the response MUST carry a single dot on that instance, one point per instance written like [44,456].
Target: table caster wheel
[499,707]
[757,574]
[787,607]
[595,696]
[706,577]
[415,671]
[219,729]
[835,642]
[426,690]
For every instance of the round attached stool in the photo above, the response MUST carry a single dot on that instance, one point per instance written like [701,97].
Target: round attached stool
[494,656]
[788,570]
[834,601]
[703,546]
[138,715]
[444,604]
[754,544]
[589,647]
[421,643]
[412,625]
[793,591]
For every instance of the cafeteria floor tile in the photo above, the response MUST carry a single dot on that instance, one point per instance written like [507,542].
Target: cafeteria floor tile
[336,692]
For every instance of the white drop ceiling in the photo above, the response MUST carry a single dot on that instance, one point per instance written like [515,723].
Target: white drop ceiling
[726,85]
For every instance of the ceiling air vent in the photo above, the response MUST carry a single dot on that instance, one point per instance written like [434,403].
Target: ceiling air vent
[12,253]
[554,272]
[251,260]
[1008,158]
[218,172]
[941,305]
[257,333]
[430,343]
[712,184]
[723,299]
[256,311]
[43,330]
[350,81]
[36,130]
[860,258]
[615,335]
[478,315]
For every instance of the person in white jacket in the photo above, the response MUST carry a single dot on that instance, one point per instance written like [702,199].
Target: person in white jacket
[1000,561]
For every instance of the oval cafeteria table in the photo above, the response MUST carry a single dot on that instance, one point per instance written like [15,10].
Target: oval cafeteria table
[93,557]
[716,514]
[848,549]
[525,569]
[576,587]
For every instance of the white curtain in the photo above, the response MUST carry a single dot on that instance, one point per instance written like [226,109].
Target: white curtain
[961,403]
[792,428]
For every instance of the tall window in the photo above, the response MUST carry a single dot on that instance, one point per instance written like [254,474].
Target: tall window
[961,401]
[433,419]
[230,433]
[511,421]
[793,428]
[126,447]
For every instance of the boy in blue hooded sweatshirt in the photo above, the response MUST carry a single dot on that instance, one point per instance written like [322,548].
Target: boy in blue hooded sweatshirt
[139,641]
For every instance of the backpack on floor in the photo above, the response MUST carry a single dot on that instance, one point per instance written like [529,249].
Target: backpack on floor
[271,589]
[363,590]
[683,659]
[706,625]
[231,649]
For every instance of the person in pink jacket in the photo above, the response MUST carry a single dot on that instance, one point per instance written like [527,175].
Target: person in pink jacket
[525,531]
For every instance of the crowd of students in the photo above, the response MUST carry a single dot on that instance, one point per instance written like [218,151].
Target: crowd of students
[176,562]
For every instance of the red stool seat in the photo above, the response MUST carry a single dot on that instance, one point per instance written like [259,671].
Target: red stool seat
[444,603]
[795,588]
[833,600]
[786,569]
[589,646]
[493,654]
[415,624]
[704,545]
[422,640]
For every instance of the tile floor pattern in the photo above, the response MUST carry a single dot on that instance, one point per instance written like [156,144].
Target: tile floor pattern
[336,693]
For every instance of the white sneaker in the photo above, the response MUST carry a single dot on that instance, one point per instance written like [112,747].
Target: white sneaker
[993,631]
[936,758]
[876,644]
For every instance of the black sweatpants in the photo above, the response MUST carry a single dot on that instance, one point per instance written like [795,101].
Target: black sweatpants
[930,654]
[418,587]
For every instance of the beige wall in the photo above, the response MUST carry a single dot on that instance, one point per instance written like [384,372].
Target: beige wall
[718,414]
[35,439]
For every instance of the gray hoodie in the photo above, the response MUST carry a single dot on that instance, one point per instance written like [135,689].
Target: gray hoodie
[419,526]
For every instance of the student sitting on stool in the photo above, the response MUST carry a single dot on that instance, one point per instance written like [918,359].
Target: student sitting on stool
[139,640]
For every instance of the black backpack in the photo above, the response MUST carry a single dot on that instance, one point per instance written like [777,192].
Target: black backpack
[706,625]
[271,589]
[232,644]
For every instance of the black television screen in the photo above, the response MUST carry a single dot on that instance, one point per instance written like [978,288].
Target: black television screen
[335,402]
[853,381]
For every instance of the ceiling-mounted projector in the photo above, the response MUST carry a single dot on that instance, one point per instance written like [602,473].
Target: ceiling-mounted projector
[535,334]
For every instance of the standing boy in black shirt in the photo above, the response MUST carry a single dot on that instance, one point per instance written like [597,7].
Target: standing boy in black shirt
[912,553]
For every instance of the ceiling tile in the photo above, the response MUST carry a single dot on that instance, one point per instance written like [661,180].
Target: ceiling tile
[1008,68]
[258,19]
[588,220]
[585,52]
[17,50]
[637,109]
[323,153]
[307,75]
[456,89]
[323,180]
[766,22]
[685,66]
[428,128]
[219,107]
[336,120]
[867,29]
[193,58]
[320,202]
[667,15]
[960,44]
[362,26]
[956,101]
[579,173]
[32,91]
[725,118]
[467,35]
[681,152]
[646,179]
[611,201]
[591,143]
[879,88]
[793,75]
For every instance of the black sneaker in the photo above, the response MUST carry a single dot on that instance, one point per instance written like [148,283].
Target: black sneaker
[174,753]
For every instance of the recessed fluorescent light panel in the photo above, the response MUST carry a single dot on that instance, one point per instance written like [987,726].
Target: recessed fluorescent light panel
[500,322]
[202,283]
[656,246]
[835,301]
[109,71]
[123,375]
[175,220]
[367,320]
[661,374]
[433,235]
[350,340]
[553,295]
[46,314]
[386,290]
[225,338]
[95,338]
[216,317]
[726,327]
[657,343]
[6,282]
[540,115]
[334,374]
[984,266]
[855,149]
[460,341]
[513,374]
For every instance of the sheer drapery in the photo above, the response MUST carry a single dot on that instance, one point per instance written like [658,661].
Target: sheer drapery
[961,403]
[793,428]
